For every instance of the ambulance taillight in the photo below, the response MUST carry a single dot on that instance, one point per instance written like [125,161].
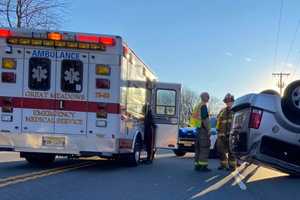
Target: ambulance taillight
[8,77]
[7,106]
[9,63]
[102,111]
[103,70]
[102,83]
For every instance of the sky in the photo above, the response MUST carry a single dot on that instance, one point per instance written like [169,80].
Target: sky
[217,46]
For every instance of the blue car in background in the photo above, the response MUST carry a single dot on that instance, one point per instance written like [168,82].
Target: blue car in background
[187,138]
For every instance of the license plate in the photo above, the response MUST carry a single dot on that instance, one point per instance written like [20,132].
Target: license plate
[54,141]
[187,143]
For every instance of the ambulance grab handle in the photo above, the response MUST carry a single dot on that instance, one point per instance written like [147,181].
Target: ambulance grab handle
[61,105]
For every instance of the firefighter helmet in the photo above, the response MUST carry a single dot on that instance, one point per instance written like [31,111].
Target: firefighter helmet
[228,98]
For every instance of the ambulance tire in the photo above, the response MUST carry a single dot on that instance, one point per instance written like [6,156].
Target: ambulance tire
[39,159]
[134,159]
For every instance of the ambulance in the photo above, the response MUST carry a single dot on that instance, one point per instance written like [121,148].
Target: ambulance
[78,94]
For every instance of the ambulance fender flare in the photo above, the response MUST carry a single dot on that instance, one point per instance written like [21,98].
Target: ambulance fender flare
[138,135]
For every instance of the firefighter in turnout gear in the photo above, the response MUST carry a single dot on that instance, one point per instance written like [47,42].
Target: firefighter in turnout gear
[200,120]
[224,121]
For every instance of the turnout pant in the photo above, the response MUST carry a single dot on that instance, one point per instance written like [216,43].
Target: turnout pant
[226,158]
[202,147]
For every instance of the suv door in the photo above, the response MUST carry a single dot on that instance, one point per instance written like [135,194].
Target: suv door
[166,110]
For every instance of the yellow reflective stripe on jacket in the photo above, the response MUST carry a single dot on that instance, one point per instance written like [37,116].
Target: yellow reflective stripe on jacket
[202,163]
[225,120]
[195,120]
[220,119]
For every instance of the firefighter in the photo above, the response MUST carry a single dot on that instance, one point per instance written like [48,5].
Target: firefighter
[224,121]
[200,120]
[149,133]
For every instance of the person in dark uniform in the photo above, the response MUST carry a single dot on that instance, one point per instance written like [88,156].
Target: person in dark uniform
[200,121]
[227,159]
[149,134]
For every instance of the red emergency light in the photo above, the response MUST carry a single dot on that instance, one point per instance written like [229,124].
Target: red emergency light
[4,33]
[109,41]
[87,38]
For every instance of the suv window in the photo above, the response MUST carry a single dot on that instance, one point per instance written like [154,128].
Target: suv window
[71,76]
[39,74]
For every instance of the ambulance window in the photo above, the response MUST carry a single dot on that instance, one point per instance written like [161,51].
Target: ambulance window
[71,76]
[39,74]
[165,102]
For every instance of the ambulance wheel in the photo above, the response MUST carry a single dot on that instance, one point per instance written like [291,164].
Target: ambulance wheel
[134,159]
[39,159]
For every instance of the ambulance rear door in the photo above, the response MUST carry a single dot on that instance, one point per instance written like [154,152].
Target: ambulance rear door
[166,110]
[39,86]
[71,92]
[11,70]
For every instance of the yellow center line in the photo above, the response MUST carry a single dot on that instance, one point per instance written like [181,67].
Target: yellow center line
[35,175]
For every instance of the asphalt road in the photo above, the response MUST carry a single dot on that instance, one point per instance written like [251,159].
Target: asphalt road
[168,177]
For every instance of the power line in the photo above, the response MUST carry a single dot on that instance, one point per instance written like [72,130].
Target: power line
[280,83]
[277,35]
[292,42]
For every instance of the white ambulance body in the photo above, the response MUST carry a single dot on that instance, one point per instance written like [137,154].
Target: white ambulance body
[77,94]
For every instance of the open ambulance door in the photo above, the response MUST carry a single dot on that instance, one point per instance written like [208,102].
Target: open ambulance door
[166,110]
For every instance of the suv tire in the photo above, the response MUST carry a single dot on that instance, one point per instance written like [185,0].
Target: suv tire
[291,102]
[270,91]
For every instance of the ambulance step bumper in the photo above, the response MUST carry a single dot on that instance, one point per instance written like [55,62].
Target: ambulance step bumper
[57,144]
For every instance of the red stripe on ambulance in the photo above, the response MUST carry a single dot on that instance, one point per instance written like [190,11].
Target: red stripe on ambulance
[67,105]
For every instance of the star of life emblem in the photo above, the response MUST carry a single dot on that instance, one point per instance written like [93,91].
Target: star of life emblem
[71,76]
[39,73]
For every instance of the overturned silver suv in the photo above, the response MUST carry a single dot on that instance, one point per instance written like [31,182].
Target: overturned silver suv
[266,129]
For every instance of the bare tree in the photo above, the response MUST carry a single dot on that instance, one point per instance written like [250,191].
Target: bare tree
[215,105]
[189,99]
[43,14]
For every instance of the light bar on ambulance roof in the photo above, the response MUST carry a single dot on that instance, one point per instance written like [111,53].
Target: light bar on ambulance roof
[4,33]
[55,36]
[55,39]
[108,41]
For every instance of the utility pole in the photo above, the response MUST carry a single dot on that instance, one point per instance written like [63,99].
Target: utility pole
[280,83]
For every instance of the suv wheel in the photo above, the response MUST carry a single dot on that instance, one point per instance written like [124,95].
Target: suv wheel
[270,91]
[291,102]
